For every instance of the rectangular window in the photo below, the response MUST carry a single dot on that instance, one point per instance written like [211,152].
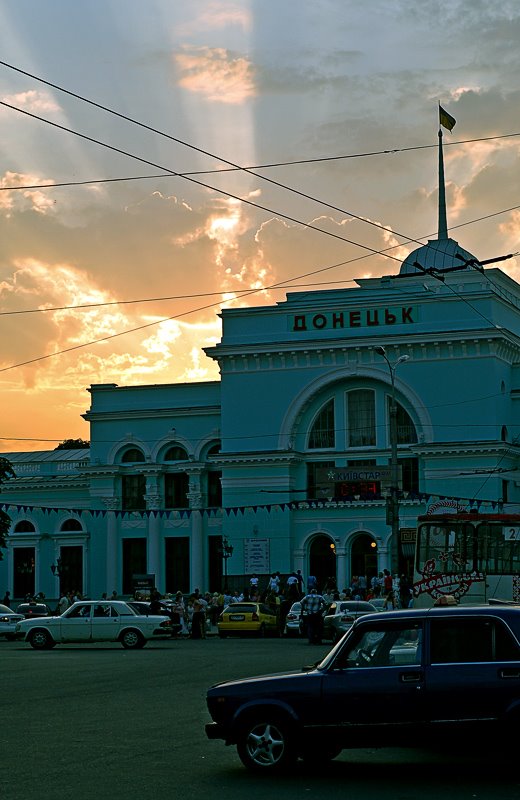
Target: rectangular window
[176,487]
[133,490]
[134,563]
[214,489]
[361,418]
[410,474]
[177,566]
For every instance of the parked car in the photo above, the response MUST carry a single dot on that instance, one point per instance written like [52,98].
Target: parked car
[8,621]
[95,621]
[31,610]
[247,618]
[379,603]
[143,607]
[407,678]
[293,622]
[341,615]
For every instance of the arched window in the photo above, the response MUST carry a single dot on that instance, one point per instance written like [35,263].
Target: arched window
[176,453]
[361,411]
[71,525]
[406,433]
[132,455]
[214,450]
[503,434]
[322,434]
[24,527]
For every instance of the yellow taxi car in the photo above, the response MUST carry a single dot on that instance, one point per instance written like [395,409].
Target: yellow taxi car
[248,618]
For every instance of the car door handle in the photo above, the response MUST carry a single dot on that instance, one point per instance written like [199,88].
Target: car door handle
[411,677]
[509,673]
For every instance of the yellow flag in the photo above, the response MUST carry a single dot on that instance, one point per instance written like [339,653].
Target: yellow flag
[446,120]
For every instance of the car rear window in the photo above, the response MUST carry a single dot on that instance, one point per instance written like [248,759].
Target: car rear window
[240,608]
[357,606]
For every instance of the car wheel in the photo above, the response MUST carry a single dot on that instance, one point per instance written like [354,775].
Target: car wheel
[41,639]
[132,639]
[261,631]
[266,744]
[222,634]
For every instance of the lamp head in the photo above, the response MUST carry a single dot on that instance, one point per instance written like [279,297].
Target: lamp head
[380,350]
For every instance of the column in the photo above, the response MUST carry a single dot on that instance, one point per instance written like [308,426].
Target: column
[112,582]
[341,568]
[197,543]
[153,502]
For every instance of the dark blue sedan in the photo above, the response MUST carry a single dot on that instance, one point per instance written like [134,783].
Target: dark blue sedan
[401,679]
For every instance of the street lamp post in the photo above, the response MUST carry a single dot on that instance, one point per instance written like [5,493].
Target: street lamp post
[392,513]
[226,551]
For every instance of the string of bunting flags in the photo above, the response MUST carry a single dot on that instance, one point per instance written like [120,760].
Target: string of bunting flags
[183,513]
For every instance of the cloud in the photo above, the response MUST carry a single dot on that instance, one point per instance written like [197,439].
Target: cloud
[216,74]
[33,101]
[217,16]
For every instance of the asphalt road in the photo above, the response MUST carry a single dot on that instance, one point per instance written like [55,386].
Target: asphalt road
[96,722]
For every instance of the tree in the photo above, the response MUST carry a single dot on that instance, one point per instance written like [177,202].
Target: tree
[73,444]
[6,472]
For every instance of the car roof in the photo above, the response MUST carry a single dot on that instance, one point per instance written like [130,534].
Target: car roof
[505,612]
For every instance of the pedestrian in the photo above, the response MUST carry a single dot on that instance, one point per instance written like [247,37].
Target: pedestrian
[7,599]
[198,620]
[63,603]
[155,602]
[313,605]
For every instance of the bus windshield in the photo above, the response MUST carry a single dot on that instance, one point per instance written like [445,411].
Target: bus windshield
[455,552]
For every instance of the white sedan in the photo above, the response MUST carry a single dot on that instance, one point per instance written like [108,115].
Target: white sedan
[8,622]
[94,621]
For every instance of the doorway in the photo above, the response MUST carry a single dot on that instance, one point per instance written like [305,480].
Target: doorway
[322,560]
[363,558]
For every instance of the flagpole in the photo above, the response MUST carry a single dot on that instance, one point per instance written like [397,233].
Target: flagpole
[443,223]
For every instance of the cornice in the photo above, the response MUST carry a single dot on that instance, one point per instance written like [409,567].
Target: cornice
[466,448]
[445,345]
[150,413]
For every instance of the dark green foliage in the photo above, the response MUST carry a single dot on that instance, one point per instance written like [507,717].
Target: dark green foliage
[6,472]
[73,444]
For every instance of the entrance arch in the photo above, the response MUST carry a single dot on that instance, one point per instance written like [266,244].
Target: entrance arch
[363,556]
[322,560]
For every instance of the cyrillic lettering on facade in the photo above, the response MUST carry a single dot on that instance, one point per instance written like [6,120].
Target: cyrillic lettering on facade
[300,323]
[319,321]
[390,319]
[337,320]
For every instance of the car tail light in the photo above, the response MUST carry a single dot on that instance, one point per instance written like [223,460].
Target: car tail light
[291,616]
[347,618]
[166,624]
[255,617]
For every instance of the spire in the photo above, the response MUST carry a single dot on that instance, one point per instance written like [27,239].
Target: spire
[443,224]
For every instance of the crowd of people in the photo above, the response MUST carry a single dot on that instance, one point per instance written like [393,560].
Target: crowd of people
[193,615]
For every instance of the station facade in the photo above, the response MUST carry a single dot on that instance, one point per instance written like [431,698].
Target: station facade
[287,461]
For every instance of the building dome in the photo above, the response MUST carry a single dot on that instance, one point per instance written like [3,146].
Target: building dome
[437,254]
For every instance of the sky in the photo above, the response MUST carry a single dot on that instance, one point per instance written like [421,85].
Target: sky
[332,104]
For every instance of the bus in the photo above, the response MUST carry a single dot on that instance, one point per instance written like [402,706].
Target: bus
[468,556]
